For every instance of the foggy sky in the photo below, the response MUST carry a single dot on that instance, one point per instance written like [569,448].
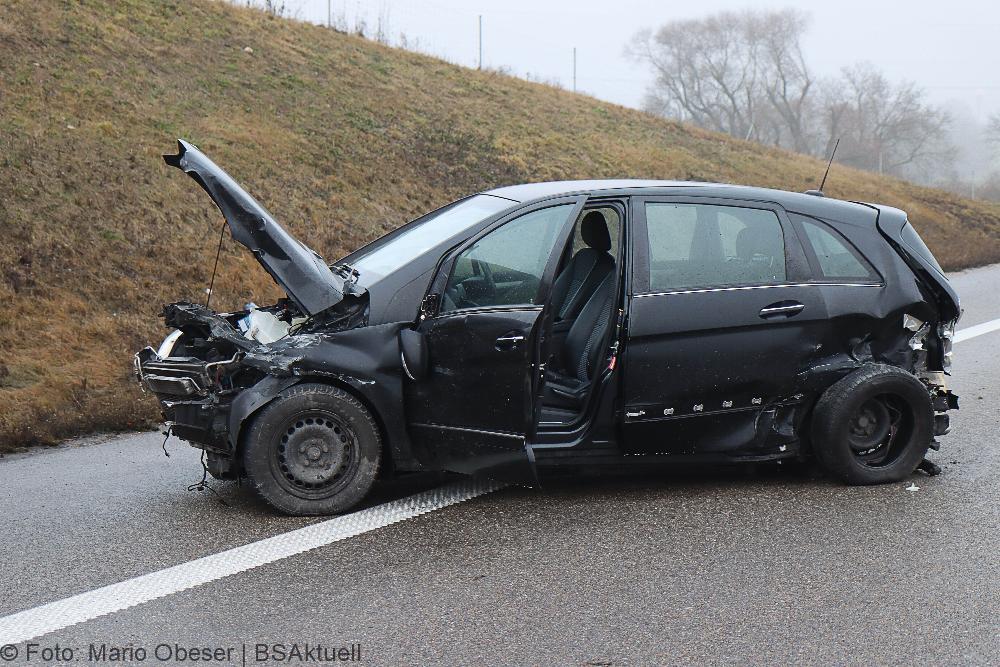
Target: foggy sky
[951,49]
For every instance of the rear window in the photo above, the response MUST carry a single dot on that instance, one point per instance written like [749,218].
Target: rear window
[916,245]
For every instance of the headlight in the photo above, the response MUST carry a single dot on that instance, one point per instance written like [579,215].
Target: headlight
[167,346]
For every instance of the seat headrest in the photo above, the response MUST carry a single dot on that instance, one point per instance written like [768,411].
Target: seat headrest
[753,241]
[594,230]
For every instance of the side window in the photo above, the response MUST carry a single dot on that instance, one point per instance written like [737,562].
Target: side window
[505,267]
[699,245]
[836,258]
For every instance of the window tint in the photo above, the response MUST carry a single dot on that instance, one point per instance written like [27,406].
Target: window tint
[837,260]
[697,245]
[504,268]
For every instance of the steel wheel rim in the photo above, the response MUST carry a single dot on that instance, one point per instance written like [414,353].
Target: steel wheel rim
[879,430]
[315,455]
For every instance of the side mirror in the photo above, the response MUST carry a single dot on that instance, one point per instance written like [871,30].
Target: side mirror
[413,354]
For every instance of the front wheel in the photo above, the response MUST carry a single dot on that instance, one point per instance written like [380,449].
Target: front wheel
[873,426]
[314,450]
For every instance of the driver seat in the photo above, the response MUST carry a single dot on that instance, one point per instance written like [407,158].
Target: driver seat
[567,385]
[576,283]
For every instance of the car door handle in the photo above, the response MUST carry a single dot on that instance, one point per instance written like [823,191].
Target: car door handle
[509,341]
[781,309]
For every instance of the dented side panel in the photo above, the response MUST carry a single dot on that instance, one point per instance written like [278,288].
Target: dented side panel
[705,373]
[365,360]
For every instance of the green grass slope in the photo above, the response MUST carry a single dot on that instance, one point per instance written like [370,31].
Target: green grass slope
[340,138]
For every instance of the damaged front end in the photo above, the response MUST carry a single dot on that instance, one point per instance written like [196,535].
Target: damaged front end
[215,369]
[212,360]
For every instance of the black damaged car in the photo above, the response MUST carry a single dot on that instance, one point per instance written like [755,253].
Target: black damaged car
[572,324]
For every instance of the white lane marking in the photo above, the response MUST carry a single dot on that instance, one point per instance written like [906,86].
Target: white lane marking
[977,330]
[60,614]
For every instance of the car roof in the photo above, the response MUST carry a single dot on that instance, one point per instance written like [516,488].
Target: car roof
[530,191]
[808,204]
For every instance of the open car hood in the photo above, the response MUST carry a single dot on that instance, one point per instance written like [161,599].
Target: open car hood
[302,273]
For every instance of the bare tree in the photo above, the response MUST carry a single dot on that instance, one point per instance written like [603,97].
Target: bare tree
[745,74]
[993,127]
[993,131]
[706,71]
[885,127]
[786,77]
[742,73]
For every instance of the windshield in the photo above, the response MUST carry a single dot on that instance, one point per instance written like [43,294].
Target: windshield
[422,235]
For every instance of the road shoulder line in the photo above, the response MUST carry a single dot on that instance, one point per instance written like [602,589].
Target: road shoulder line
[41,620]
[976,330]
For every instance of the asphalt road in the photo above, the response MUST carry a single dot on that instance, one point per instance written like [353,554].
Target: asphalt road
[770,567]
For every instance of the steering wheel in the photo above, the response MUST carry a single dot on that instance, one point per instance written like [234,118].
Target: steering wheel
[486,269]
[476,290]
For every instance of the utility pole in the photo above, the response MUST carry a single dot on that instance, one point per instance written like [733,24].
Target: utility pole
[574,69]
[480,41]
[329,14]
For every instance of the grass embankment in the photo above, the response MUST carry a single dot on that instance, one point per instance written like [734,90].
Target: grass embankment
[342,139]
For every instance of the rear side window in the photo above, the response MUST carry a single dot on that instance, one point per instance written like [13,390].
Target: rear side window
[835,257]
[701,245]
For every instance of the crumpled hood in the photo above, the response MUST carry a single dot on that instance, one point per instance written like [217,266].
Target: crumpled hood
[302,273]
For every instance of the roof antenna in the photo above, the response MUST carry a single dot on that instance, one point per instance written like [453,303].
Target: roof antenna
[819,193]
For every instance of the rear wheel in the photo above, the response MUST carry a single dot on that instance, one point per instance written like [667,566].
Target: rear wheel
[314,450]
[873,426]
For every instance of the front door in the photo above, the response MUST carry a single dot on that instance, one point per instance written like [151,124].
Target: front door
[475,408]
[719,326]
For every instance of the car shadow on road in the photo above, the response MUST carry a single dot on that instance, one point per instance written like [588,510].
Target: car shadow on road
[661,478]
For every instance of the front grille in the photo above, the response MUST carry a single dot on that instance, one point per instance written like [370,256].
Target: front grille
[175,376]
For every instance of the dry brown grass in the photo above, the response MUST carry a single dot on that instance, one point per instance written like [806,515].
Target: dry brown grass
[341,138]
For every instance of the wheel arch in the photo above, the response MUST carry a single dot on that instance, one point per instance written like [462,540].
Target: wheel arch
[833,411]
[242,416]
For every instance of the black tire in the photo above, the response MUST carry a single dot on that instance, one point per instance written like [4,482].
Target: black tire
[873,426]
[314,450]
